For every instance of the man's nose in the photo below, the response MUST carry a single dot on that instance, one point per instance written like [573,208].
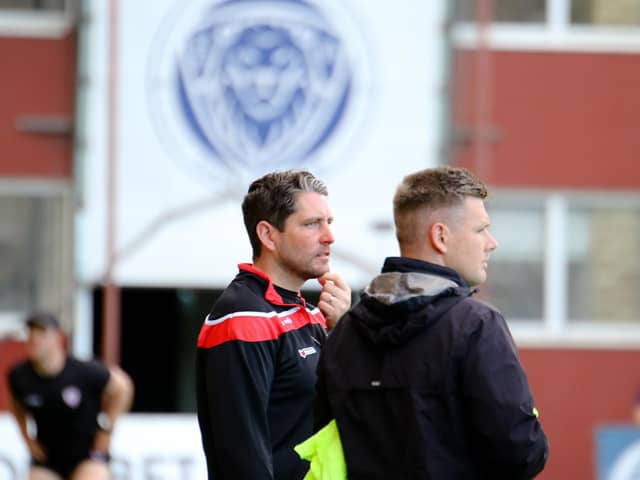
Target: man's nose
[327,235]
[493,243]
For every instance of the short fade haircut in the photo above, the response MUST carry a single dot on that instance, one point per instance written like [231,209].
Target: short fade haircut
[273,198]
[429,190]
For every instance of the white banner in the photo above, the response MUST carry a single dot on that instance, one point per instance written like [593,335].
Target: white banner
[211,94]
[144,446]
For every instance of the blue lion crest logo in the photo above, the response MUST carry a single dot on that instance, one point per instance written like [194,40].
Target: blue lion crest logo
[263,84]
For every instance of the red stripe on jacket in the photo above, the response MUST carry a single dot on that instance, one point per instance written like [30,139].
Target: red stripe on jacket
[256,326]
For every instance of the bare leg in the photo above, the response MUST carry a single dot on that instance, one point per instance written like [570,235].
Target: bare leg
[41,473]
[91,470]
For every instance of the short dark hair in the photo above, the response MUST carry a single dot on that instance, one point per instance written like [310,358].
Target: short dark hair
[42,320]
[430,189]
[273,198]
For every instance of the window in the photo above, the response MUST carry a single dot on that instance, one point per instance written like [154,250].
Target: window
[605,12]
[604,264]
[567,266]
[566,25]
[35,272]
[595,12]
[516,270]
[37,18]
[516,11]
[33,4]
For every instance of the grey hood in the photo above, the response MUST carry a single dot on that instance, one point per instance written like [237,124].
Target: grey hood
[398,305]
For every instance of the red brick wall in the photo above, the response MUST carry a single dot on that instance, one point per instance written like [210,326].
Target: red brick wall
[561,119]
[576,391]
[38,78]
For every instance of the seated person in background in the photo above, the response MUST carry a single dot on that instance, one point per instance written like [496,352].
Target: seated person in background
[73,403]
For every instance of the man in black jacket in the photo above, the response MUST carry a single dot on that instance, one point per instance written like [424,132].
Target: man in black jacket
[259,346]
[423,380]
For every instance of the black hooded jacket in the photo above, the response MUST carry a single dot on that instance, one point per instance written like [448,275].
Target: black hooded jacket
[425,383]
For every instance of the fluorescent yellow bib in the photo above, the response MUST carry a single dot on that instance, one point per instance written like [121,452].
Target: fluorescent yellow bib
[324,451]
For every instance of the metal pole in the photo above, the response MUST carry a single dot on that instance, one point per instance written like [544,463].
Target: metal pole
[483,86]
[111,292]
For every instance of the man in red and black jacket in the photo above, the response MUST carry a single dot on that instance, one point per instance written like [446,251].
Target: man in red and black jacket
[259,346]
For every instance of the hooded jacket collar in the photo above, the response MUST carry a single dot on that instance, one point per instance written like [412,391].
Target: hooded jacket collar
[405,278]
[405,299]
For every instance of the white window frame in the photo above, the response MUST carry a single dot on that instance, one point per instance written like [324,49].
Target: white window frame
[557,33]
[39,23]
[10,320]
[555,329]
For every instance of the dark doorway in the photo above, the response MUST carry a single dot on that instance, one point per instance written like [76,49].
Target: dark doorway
[159,328]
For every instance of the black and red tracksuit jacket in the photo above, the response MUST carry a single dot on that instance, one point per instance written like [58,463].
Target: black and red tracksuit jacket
[255,376]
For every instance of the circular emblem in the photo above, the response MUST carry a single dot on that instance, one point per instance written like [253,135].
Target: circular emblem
[249,86]
[72,396]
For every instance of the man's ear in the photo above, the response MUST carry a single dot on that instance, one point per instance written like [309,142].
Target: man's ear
[267,234]
[439,237]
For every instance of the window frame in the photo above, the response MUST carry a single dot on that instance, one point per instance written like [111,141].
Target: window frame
[37,23]
[62,190]
[556,329]
[557,33]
